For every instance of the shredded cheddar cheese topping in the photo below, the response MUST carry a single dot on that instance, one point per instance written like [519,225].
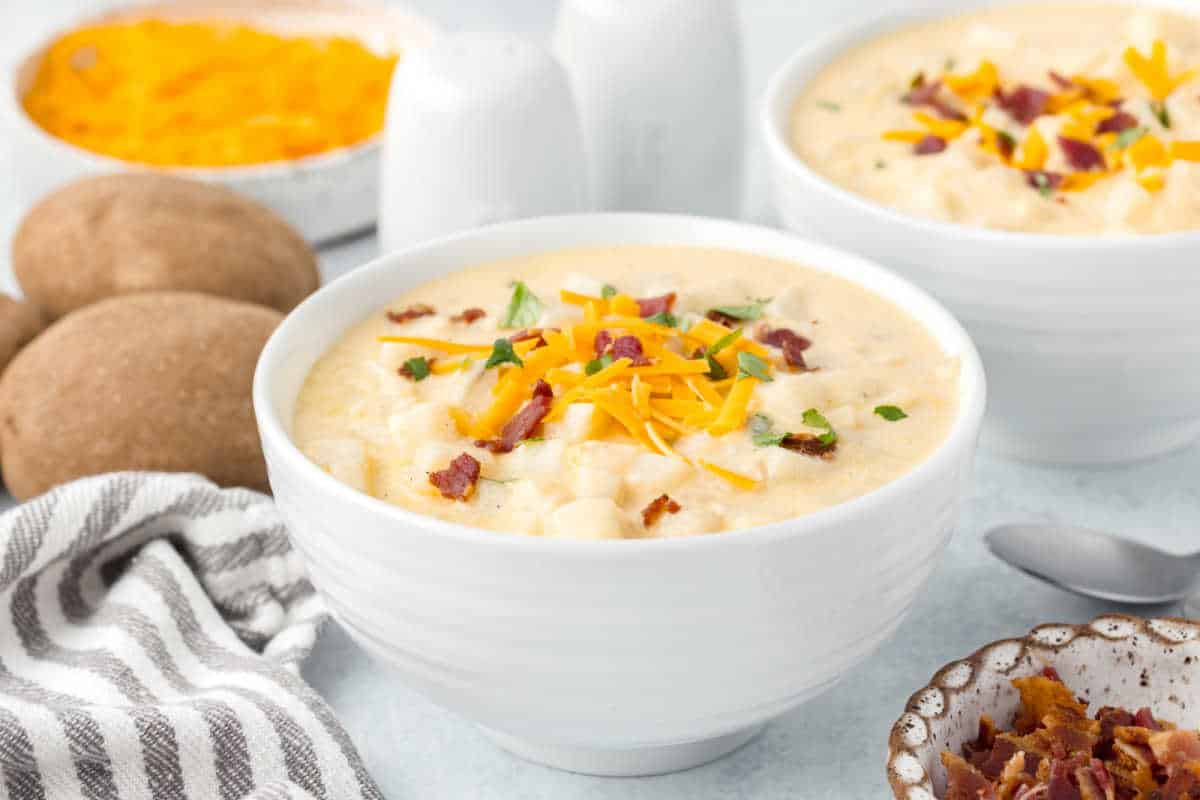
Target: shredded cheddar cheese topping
[1096,135]
[207,94]
[668,392]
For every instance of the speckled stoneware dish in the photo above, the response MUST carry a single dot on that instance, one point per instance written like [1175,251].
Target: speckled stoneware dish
[1113,660]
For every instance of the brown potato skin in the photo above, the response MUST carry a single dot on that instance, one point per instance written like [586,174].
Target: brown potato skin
[20,321]
[141,232]
[151,381]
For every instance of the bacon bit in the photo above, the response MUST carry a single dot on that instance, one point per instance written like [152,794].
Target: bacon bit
[1061,81]
[926,94]
[412,312]
[808,445]
[602,341]
[963,781]
[658,506]
[1060,786]
[630,347]
[527,335]
[723,319]
[1102,776]
[405,370]
[929,145]
[469,315]
[1144,719]
[457,482]
[1175,748]
[792,344]
[1024,104]
[524,422]
[1183,785]
[650,306]
[1081,155]
[1051,673]
[1118,122]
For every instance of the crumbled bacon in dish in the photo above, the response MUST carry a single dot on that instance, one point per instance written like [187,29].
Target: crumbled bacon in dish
[1081,155]
[412,312]
[658,506]
[648,307]
[469,315]
[457,481]
[524,422]
[929,145]
[1024,103]
[808,445]
[1118,122]
[601,342]
[630,347]
[1056,752]
[792,344]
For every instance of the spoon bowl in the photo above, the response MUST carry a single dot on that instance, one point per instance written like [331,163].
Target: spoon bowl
[1094,563]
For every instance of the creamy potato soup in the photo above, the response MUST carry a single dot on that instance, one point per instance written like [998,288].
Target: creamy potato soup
[628,392]
[1049,118]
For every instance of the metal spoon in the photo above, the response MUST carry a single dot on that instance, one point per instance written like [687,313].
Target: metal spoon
[1095,564]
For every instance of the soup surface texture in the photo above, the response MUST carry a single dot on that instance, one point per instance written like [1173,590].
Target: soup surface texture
[632,392]
[1074,119]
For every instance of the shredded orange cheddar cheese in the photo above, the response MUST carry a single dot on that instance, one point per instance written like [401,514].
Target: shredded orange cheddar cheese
[1089,109]
[207,94]
[672,393]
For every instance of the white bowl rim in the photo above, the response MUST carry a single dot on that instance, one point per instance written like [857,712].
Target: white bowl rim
[962,435]
[859,32]
[266,170]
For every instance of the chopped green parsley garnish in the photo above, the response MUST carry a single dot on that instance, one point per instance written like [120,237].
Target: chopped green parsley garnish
[417,368]
[503,353]
[608,292]
[828,105]
[597,364]
[723,342]
[815,419]
[665,318]
[880,163]
[1009,140]
[891,413]
[1042,183]
[715,370]
[1159,109]
[761,432]
[1128,136]
[752,310]
[523,309]
[751,366]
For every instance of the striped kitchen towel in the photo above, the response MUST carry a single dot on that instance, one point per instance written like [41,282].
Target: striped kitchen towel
[151,630]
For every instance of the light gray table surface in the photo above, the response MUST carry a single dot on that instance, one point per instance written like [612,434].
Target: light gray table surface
[833,747]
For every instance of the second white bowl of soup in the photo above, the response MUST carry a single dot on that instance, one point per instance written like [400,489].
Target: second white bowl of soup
[1037,168]
[620,488]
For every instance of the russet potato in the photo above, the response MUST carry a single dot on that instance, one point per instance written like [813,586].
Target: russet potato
[148,381]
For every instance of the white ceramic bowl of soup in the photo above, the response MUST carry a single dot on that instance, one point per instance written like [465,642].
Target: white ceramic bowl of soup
[626,657]
[324,196]
[1090,342]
